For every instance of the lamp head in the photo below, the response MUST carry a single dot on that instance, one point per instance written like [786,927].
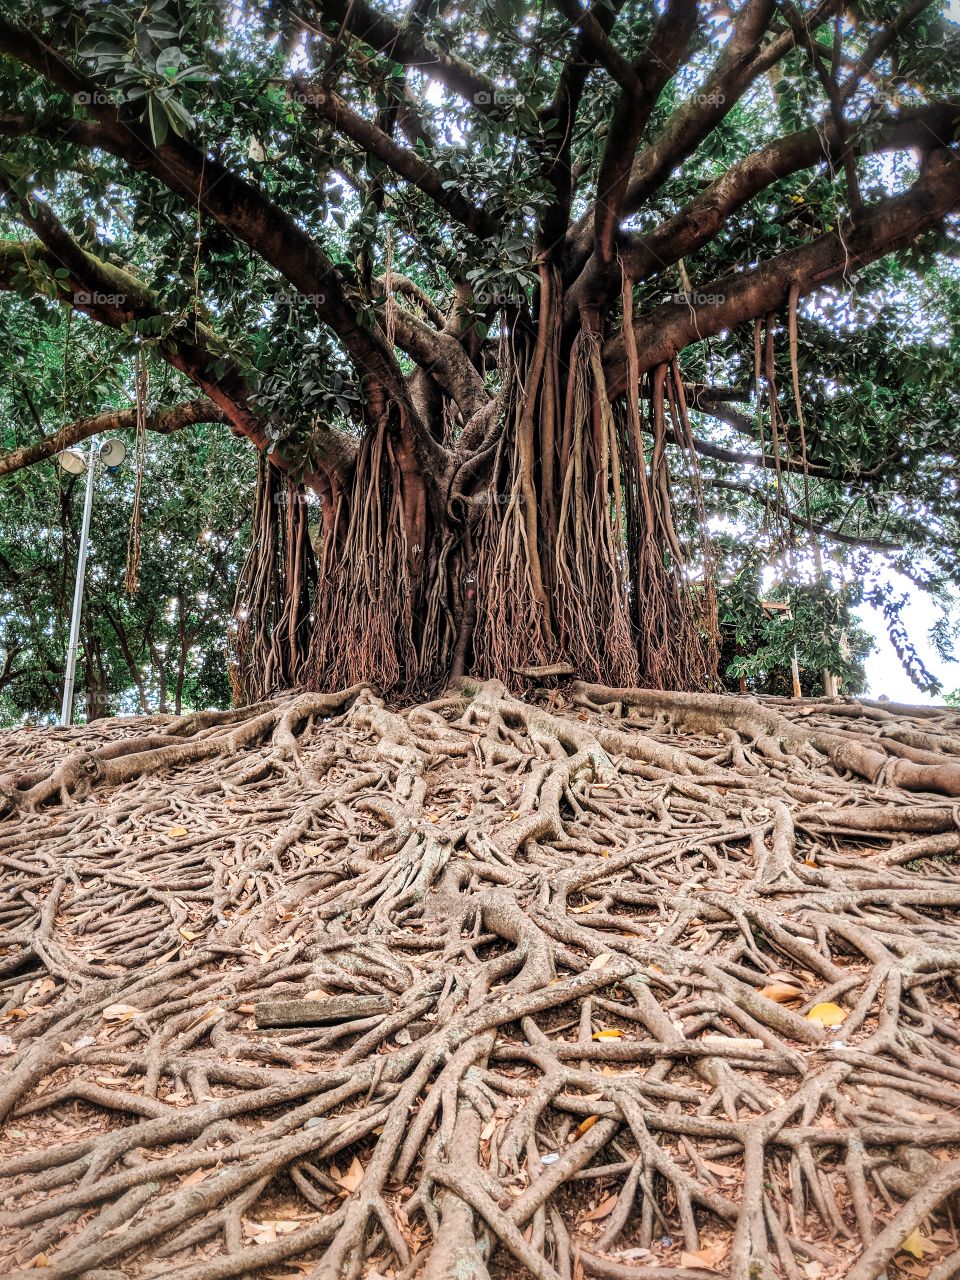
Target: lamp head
[72,461]
[112,453]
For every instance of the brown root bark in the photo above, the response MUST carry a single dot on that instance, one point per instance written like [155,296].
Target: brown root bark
[607,983]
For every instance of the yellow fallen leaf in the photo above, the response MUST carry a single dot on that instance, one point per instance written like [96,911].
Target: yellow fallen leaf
[198,1175]
[609,1033]
[120,1012]
[178,831]
[827,1015]
[353,1177]
[603,1208]
[915,1244]
[584,1125]
[188,934]
[782,992]
[38,1260]
[599,961]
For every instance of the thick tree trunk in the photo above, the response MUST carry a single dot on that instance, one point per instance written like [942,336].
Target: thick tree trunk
[556,542]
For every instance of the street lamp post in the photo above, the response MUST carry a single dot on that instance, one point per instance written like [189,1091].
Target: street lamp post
[112,453]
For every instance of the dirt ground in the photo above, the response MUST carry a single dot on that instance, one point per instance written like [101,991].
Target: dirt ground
[595,983]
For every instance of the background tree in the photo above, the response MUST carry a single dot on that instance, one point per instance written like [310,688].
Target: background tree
[163,645]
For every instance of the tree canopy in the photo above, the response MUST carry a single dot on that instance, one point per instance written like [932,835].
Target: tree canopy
[614,308]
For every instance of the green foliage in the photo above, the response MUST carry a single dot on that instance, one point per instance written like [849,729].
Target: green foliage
[168,637]
[818,627]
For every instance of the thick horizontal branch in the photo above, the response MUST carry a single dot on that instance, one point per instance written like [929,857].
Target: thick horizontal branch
[161,421]
[884,227]
[699,222]
[116,297]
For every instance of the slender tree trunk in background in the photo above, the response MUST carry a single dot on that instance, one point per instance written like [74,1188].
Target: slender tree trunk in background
[133,667]
[160,667]
[183,652]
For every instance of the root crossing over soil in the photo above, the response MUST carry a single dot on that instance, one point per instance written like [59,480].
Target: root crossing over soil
[628,984]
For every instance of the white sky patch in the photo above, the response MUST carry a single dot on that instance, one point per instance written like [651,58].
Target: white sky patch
[884,672]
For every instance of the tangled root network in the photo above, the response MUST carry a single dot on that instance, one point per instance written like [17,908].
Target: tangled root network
[601,983]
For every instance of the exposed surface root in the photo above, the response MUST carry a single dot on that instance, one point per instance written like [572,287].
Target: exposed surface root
[606,936]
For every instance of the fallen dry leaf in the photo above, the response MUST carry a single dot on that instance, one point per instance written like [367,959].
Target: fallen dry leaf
[584,1125]
[178,831]
[605,1207]
[609,1033]
[602,959]
[353,1177]
[708,1258]
[782,992]
[120,1012]
[915,1244]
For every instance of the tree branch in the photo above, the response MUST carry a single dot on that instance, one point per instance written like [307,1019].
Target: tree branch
[161,421]
[406,45]
[703,217]
[329,106]
[235,203]
[884,227]
[737,67]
